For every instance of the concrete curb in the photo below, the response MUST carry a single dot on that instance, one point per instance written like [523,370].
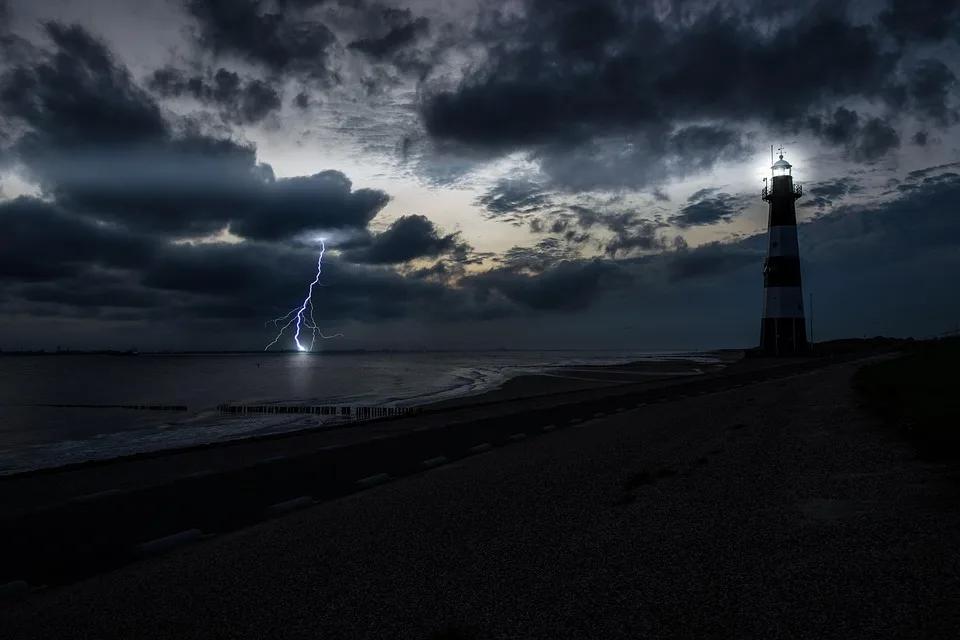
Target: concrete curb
[167,543]
[549,427]
[372,481]
[517,437]
[90,497]
[289,505]
[435,462]
[201,474]
[482,448]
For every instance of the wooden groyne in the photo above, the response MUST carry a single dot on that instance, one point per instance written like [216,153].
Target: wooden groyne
[346,411]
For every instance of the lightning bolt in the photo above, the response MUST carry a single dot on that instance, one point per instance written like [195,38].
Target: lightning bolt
[303,315]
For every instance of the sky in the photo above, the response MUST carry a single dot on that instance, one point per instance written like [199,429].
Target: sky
[539,174]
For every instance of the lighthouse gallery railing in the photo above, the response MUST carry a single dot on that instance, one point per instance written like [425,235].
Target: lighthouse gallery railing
[768,191]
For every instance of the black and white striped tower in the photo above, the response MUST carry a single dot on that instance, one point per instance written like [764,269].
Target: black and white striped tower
[783,330]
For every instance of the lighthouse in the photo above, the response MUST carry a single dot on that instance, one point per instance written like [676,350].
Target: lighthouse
[783,329]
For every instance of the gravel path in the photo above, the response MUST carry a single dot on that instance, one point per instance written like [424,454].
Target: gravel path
[774,511]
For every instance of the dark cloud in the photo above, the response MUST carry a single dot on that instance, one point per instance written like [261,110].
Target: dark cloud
[79,96]
[825,194]
[87,268]
[536,259]
[407,238]
[864,139]
[919,222]
[521,201]
[924,174]
[291,206]
[513,197]
[562,225]
[602,96]
[631,231]
[705,208]
[302,100]
[56,264]
[552,75]
[922,20]
[568,286]
[634,235]
[608,95]
[284,41]
[398,29]
[41,241]
[930,85]
[100,146]
[660,195]
[97,292]
[240,102]
[119,193]
[713,259]
[640,159]
[308,38]
[83,264]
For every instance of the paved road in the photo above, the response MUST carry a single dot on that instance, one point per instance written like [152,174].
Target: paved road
[775,511]
[241,484]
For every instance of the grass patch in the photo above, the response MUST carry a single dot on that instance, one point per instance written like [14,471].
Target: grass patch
[917,395]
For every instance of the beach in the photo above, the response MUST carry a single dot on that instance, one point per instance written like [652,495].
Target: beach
[579,377]
[774,510]
[35,432]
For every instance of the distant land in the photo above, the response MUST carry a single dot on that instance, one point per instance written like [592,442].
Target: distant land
[829,345]
[136,352]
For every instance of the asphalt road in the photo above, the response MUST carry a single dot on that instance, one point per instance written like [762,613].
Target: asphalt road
[116,508]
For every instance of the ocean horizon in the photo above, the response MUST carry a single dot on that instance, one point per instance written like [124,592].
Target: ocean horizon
[35,435]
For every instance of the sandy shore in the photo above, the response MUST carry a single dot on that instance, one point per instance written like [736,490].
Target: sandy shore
[580,377]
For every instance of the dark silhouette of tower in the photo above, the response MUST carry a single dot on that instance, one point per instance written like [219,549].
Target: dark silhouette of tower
[783,329]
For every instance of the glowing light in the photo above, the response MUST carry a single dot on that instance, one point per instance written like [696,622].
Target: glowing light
[302,316]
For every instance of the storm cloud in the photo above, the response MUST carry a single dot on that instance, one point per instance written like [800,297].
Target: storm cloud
[101,146]
[613,95]
[239,102]
[407,238]
[574,166]
[707,207]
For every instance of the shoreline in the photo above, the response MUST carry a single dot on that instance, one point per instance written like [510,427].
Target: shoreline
[521,386]
[563,379]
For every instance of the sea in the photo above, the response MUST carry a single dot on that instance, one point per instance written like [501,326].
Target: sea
[35,435]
